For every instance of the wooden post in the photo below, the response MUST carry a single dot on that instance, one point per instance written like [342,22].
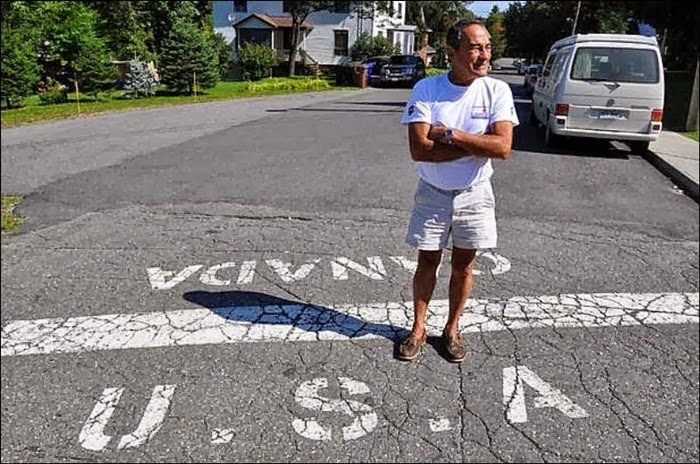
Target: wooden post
[691,122]
[77,91]
[194,83]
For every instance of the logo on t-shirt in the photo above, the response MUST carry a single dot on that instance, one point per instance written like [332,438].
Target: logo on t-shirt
[411,110]
[480,112]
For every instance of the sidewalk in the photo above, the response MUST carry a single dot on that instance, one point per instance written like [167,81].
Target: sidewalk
[677,156]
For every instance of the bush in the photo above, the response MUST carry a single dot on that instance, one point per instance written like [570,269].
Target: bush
[366,46]
[256,60]
[140,81]
[52,92]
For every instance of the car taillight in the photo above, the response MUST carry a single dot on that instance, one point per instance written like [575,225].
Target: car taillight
[657,115]
[562,109]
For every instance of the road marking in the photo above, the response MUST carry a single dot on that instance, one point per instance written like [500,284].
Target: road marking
[219,436]
[92,436]
[439,425]
[297,322]
[514,396]
[307,395]
[340,266]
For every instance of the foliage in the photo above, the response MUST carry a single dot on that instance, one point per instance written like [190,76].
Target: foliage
[278,85]
[10,220]
[19,68]
[224,54]
[140,80]
[52,92]
[188,58]
[256,60]
[366,46]
[433,19]
[494,24]
[72,49]
[300,10]
[123,25]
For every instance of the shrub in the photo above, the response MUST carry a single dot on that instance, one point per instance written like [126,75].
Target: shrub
[52,92]
[139,80]
[366,46]
[256,60]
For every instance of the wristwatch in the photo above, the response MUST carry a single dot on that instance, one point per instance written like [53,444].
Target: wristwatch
[448,137]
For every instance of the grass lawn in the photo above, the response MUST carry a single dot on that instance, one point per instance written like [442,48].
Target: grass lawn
[691,135]
[34,111]
[10,220]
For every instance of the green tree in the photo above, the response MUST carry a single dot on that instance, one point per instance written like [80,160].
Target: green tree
[20,71]
[188,56]
[494,23]
[256,60]
[72,46]
[224,54]
[123,25]
[366,46]
[300,10]
[433,19]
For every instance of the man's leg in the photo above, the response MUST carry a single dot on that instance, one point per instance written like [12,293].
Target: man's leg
[461,282]
[423,285]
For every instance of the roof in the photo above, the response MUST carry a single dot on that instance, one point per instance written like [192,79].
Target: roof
[274,21]
[619,38]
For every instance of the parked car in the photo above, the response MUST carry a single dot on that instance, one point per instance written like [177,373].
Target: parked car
[403,69]
[532,74]
[374,67]
[602,86]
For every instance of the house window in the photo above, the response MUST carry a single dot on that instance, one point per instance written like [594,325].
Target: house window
[286,7]
[240,6]
[340,47]
[399,10]
[286,39]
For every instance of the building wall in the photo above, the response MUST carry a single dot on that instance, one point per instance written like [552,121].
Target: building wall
[319,44]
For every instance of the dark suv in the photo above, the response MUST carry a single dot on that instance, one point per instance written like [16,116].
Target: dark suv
[403,69]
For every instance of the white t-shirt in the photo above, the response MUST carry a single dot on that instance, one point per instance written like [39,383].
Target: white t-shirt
[471,109]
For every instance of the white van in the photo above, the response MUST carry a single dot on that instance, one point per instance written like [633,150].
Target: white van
[603,86]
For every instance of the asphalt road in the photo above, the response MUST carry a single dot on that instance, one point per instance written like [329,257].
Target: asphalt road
[225,282]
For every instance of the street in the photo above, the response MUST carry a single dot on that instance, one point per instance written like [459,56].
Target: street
[225,282]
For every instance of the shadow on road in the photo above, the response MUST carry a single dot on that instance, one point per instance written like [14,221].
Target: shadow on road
[261,308]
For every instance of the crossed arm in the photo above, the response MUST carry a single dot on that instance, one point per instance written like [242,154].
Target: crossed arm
[425,142]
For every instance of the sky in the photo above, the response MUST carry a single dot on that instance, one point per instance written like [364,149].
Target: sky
[484,8]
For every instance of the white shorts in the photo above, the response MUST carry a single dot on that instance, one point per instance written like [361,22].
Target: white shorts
[468,215]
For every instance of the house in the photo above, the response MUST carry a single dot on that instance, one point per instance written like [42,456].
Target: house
[327,37]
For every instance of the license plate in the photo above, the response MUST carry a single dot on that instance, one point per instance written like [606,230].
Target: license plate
[394,79]
[607,114]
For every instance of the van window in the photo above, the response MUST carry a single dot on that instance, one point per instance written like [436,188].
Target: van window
[615,64]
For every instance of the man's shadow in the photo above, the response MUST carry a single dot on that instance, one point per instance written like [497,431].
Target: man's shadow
[261,308]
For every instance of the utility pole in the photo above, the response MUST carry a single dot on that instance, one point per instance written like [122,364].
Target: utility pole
[578,9]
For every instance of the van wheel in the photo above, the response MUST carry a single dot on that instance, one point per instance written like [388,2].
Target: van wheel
[639,148]
[550,138]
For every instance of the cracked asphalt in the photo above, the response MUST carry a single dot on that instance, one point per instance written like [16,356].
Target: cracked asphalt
[225,282]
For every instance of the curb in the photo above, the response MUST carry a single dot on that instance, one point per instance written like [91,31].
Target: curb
[677,176]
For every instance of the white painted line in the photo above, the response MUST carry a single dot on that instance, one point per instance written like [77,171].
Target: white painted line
[295,322]
[220,436]
[439,425]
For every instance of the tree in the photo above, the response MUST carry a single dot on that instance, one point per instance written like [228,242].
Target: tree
[300,10]
[224,54]
[366,46]
[433,19]
[494,23]
[20,71]
[140,80]
[256,60]
[123,25]
[72,49]
[188,56]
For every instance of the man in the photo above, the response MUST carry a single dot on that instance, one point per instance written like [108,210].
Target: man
[456,122]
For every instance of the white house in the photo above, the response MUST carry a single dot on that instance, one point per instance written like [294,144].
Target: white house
[327,36]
